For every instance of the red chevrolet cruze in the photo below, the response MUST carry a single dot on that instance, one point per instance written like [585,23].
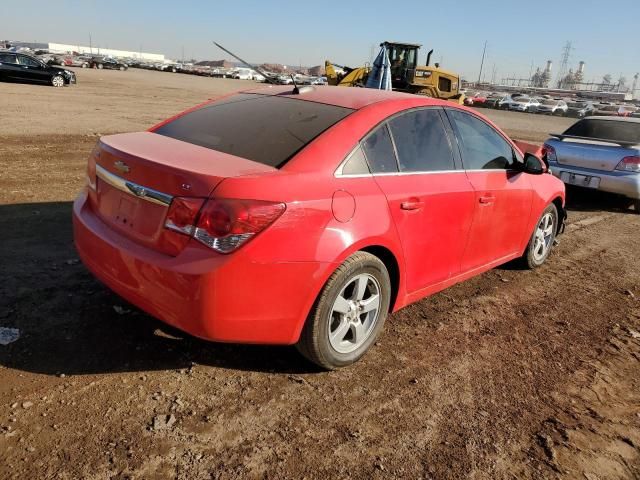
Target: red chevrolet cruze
[271,216]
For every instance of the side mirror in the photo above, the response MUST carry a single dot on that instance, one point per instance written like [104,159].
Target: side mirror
[533,165]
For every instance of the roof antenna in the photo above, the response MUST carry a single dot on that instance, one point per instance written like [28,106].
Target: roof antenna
[296,90]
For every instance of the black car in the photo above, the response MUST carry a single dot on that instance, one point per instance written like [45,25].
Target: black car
[580,109]
[25,68]
[110,63]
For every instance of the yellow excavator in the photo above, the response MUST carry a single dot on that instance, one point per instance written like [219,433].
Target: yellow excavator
[406,74]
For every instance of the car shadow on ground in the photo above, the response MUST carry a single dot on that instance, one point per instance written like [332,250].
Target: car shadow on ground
[71,324]
[589,200]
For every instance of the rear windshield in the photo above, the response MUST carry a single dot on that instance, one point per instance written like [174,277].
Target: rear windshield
[606,129]
[263,128]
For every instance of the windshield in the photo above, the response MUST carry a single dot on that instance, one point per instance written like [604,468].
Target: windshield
[606,129]
[549,102]
[268,129]
[577,104]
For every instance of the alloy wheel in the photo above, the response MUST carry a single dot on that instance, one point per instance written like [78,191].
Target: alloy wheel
[543,237]
[354,314]
[57,81]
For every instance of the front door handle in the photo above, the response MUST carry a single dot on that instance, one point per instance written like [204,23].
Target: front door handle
[412,204]
[487,199]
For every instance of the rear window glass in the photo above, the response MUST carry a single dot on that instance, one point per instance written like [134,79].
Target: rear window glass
[263,128]
[606,129]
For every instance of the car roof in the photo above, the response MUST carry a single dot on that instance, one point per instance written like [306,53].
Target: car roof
[615,119]
[347,97]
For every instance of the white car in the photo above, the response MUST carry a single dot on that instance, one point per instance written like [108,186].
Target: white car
[554,107]
[524,104]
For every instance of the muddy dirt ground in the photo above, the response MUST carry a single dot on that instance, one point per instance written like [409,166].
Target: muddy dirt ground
[513,374]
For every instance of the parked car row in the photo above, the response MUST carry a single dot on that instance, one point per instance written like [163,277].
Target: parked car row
[546,104]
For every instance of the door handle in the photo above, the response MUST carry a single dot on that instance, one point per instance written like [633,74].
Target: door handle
[412,205]
[487,199]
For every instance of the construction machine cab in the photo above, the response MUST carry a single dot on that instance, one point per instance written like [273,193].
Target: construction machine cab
[403,58]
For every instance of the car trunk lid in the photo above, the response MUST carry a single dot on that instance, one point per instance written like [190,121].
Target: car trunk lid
[139,174]
[591,154]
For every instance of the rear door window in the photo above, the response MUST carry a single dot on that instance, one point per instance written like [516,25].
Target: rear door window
[379,151]
[421,141]
[8,58]
[268,129]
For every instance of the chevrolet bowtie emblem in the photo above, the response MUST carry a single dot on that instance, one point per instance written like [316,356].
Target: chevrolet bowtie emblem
[121,166]
[137,190]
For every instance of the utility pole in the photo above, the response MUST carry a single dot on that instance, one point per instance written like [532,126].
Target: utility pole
[564,63]
[493,75]
[484,51]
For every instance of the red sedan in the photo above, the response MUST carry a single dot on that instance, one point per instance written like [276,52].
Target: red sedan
[274,217]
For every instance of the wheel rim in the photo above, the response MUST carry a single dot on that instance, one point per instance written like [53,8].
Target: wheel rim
[355,313]
[58,81]
[543,237]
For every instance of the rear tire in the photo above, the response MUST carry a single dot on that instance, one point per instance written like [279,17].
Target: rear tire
[353,303]
[542,238]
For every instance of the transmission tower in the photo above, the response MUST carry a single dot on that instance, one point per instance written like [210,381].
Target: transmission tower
[635,84]
[564,63]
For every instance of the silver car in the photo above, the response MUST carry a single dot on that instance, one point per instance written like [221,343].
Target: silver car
[601,153]
[553,107]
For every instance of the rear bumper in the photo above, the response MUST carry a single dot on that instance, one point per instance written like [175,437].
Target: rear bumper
[226,298]
[622,183]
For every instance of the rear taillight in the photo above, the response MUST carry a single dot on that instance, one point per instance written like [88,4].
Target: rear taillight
[549,153]
[182,214]
[629,164]
[221,224]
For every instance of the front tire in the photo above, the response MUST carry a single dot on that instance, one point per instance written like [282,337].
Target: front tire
[542,238]
[349,313]
[57,81]
[100,66]
[636,206]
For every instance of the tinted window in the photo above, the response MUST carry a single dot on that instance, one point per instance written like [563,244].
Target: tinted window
[265,129]
[356,164]
[421,142]
[481,145]
[27,61]
[7,58]
[379,151]
[606,129]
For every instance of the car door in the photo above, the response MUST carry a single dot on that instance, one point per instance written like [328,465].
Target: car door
[503,195]
[32,70]
[9,67]
[430,199]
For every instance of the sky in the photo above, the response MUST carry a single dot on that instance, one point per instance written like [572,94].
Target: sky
[518,34]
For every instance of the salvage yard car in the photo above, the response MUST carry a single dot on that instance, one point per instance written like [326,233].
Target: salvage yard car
[552,106]
[524,104]
[305,216]
[25,68]
[602,153]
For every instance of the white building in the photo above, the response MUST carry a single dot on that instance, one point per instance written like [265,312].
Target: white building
[83,49]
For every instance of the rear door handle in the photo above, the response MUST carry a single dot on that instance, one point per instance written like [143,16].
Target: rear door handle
[412,205]
[487,199]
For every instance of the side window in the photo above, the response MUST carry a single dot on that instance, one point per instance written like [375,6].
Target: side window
[27,61]
[482,147]
[421,141]
[7,58]
[379,151]
[444,84]
[356,164]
